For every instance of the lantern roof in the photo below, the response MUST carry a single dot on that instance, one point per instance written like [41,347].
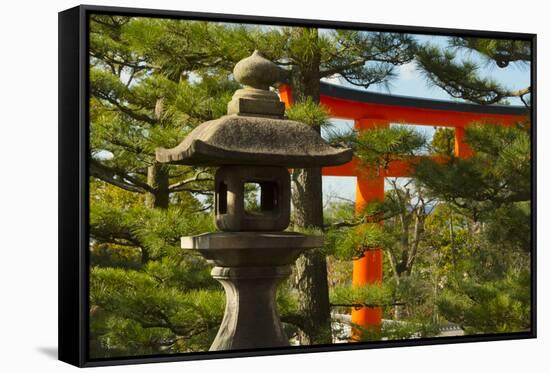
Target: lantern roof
[255,131]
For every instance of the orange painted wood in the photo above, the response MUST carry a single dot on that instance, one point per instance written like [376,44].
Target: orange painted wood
[366,317]
[368,268]
[285,94]
[462,150]
[370,123]
[340,108]
[346,169]
[368,190]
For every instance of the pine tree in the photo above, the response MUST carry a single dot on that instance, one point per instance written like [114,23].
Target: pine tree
[489,289]
[461,77]
[146,295]
[499,173]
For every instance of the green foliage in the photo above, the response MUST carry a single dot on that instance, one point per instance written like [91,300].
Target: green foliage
[351,243]
[461,78]
[396,330]
[288,307]
[379,147]
[499,306]
[501,51]
[448,239]
[368,295]
[309,113]
[136,260]
[484,256]
[367,58]
[443,142]
[154,231]
[146,296]
[349,233]
[498,173]
[510,227]
[452,235]
[135,313]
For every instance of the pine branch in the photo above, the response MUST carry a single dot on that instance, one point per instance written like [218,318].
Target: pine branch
[520,92]
[194,190]
[128,145]
[362,81]
[339,69]
[126,110]
[179,186]
[117,237]
[118,178]
[343,224]
[461,79]
[502,52]
[363,47]
[136,66]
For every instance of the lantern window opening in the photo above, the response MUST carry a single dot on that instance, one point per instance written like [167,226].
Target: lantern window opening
[260,197]
[222,198]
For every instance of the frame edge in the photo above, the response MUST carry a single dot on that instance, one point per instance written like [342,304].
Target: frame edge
[70,348]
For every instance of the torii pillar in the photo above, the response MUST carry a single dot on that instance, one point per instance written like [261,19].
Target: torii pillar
[367,269]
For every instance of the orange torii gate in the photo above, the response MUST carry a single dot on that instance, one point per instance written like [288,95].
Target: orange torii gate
[371,110]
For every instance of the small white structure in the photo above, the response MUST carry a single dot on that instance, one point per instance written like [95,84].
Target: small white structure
[342,329]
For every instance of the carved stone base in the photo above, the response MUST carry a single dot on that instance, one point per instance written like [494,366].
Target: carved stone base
[250,265]
[250,320]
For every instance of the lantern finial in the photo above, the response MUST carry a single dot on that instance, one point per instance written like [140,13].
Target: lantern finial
[257,74]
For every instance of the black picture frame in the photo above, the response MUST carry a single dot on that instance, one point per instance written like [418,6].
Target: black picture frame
[73,253]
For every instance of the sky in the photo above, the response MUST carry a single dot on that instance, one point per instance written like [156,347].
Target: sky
[409,82]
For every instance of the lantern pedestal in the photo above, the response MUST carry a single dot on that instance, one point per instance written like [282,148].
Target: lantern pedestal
[250,266]
[251,319]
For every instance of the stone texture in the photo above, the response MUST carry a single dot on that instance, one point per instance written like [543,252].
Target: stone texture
[230,214]
[250,320]
[251,249]
[247,106]
[250,266]
[257,72]
[246,140]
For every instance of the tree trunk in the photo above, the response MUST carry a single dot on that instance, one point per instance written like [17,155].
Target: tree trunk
[157,178]
[399,312]
[307,199]
[157,173]
[311,268]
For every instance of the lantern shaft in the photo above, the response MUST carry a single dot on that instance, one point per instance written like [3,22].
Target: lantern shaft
[250,319]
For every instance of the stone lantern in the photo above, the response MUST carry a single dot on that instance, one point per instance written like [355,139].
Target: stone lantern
[252,254]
